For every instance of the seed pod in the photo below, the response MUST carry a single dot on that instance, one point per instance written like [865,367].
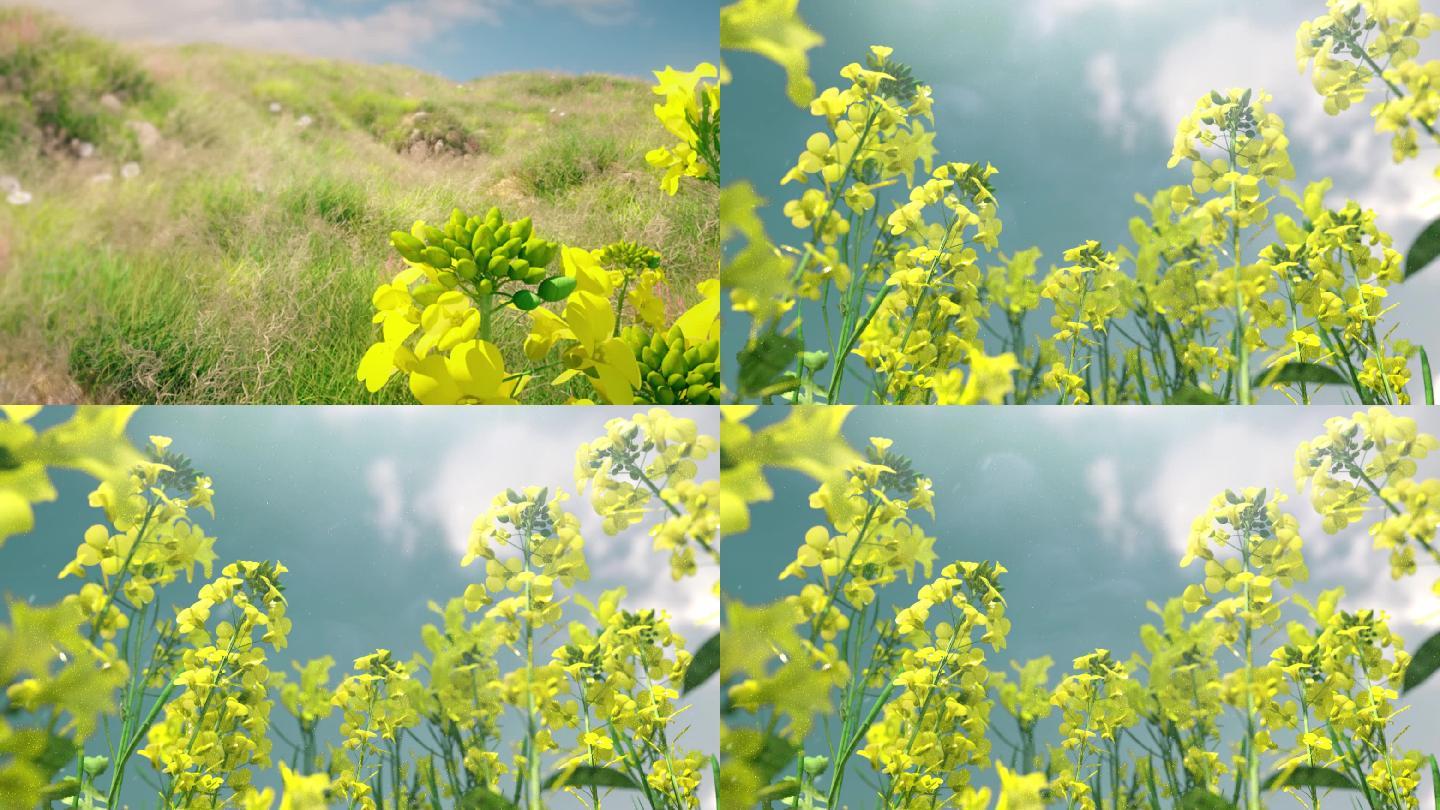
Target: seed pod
[525,300]
[437,257]
[556,288]
[408,246]
[518,268]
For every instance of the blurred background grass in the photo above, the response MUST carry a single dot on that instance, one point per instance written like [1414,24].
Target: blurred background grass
[237,265]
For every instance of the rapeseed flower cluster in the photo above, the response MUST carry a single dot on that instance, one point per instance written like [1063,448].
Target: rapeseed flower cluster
[1240,688]
[689,110]
[1357,42]
[894,253]
[645,469]
[192,691]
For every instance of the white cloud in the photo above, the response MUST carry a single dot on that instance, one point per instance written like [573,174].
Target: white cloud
[1210,459]
[1260,452]
[1238,52]
[1102,76]
[1049,15]
[393,29]
[487,462]
[1112,517]
[597,12]
[383,480]
[631,558]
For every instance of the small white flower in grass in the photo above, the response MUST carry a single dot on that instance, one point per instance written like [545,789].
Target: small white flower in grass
[129,170]
[18,197]
[9,183]
[304,121]
[275,107]
[84,149]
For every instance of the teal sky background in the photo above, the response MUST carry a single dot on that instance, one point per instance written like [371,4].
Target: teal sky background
[461,39]
[1089,510]
[1075,102]
[370,509]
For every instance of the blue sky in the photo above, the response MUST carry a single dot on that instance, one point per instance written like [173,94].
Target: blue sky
[1089,509]
[461,39]
[1075,102]
[370,509]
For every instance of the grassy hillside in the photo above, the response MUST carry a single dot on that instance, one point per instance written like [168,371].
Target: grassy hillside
[238,264]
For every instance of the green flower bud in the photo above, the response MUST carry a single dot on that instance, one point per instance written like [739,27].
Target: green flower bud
[408,246]
[556,288]
[437,257]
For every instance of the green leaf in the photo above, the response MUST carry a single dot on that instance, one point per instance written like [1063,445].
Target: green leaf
[1435,778]
[59,752]
[1429,377]
[1424,250]
[1423,665]
[64,789]
[784,789]
[704,665]
[763,362]
[1200,799]
[590,776]
[1308,776]
[1191,395]
[485,799]
[1298,372]
[766,754]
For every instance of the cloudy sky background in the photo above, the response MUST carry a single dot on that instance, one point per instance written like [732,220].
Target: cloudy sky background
[461,39]
[1089,510]
[1076,103]
[370,509]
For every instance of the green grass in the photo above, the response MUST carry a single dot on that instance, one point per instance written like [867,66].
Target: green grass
[238,266]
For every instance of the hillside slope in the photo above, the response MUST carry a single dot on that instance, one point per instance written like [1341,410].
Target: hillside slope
[207,225]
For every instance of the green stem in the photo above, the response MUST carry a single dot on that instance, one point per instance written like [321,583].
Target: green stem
[486,311]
